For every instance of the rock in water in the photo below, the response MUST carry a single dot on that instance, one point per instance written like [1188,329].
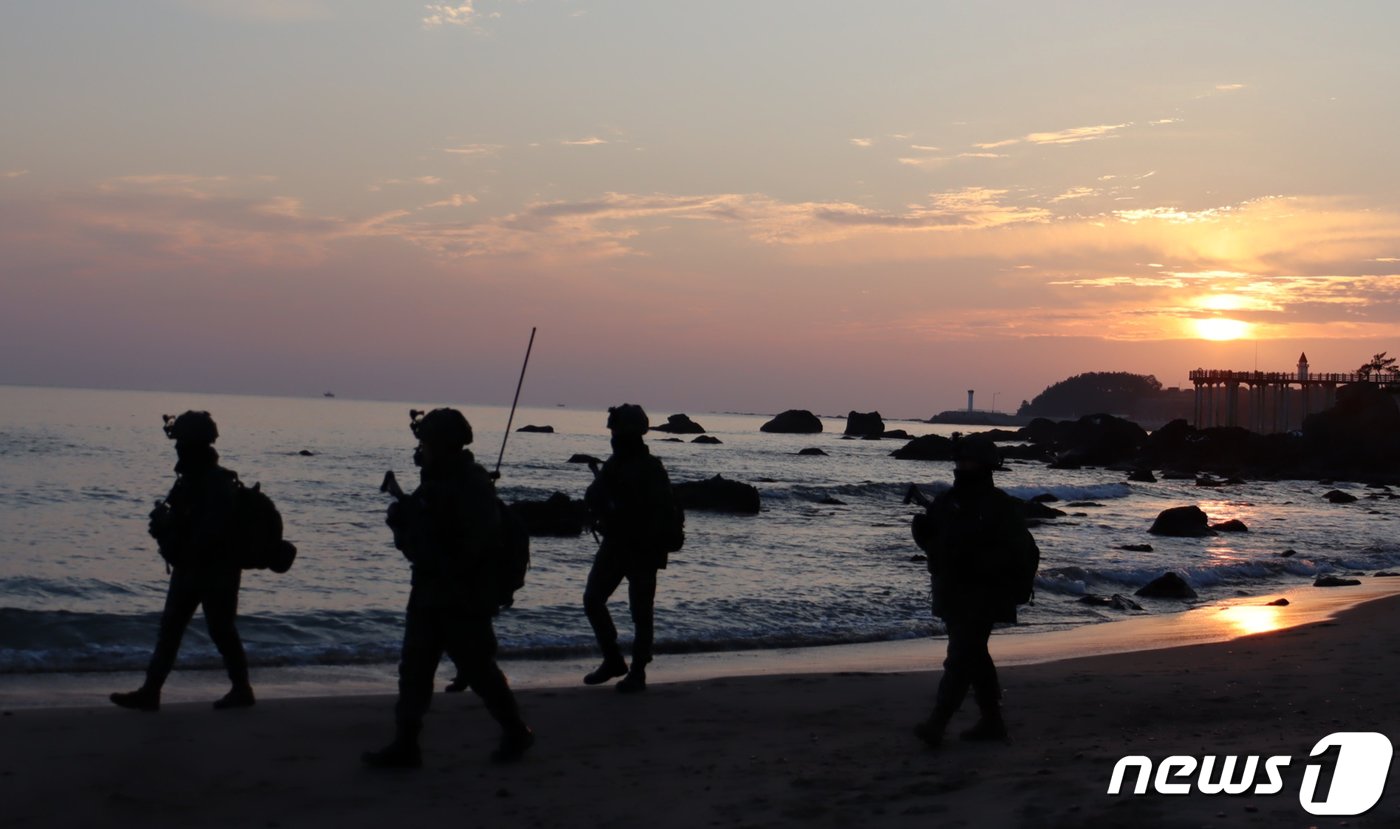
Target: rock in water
[1334,581]
[1182,522]
[864,424]
[926,448]
[544,430]
[680,424]
[795,422]
[1336,496]
[1167,586]
[710,439]
[811,450]
[1234,525]
[559,515]
[718,495]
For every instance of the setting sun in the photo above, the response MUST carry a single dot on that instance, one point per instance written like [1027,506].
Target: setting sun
[1217,328]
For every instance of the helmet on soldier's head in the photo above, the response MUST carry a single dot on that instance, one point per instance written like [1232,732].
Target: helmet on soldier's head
[441,427]
[975,449]
[191,427]
[629,418]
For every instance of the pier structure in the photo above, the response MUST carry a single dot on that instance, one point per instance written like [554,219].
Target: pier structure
[1271,401]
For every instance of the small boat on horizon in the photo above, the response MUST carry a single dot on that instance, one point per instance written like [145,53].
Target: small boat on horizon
[327,394]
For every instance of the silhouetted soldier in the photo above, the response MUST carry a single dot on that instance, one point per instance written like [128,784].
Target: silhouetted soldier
[449,529]
[632,504]
[978,553]
[194,528]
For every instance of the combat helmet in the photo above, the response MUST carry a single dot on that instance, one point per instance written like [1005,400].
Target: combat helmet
[441,427]
[191,427]
[629,418]
[976,449]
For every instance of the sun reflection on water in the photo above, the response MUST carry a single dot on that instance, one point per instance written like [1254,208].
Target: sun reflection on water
[1245,620]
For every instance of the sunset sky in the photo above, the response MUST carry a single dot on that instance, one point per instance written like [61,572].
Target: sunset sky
[747,206]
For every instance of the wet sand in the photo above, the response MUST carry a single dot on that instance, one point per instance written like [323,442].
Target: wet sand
[823,749]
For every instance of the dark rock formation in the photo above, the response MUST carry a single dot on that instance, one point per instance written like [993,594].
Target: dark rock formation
[1288,554]
[832,502]
[864,424]
[1234,525]
[1142,476]
[589,459]
[547,430]
[1336,496]
[707,439]
[1278,603]
[1357,436]
[1182,522]
[307,453]
[897,434]
[1116,601]
[926,448]
[811,450]
[1136,548]
[794,422]
[1044,498]
[718,494]
[1334,581]
[559,515]
[1092,440]
[679,424]
[1167,586]
[1035,509]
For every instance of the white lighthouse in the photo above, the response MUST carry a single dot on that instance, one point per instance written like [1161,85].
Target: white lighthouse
[1303,366]
[969,399]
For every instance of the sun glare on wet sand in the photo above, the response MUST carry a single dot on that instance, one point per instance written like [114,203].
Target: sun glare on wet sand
[1218,328]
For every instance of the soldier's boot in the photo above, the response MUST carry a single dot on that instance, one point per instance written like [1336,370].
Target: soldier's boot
[931,730]
[145,698]
[990,727]
[515,741]
[240,697]
[636,680]
[402,753]
[613,666]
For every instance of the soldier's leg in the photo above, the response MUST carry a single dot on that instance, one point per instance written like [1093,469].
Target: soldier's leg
[957,668]
[604,577]
[985,687]
[423,643]
[418,661]
[471,643]
[641,602]
[220,594]
[181,600]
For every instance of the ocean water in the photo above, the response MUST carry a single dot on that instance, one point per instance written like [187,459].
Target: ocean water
[827,561]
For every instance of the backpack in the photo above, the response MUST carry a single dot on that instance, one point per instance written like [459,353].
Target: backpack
[1025,561]
[258,541]
[669,530]
[512,560]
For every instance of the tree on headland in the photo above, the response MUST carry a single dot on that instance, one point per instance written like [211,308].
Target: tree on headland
[1092,393]
[1379,364]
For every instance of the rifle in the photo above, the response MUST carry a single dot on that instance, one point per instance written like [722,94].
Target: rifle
[914,495]
[592,522]
[391,486]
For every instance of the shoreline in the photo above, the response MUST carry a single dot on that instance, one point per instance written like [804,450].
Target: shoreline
[1207,623]
[829,749]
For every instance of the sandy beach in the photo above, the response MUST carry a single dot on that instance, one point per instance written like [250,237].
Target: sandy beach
[829,749]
